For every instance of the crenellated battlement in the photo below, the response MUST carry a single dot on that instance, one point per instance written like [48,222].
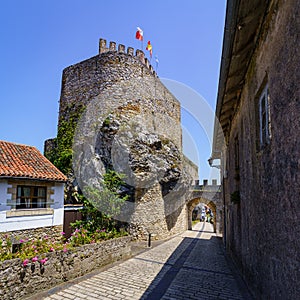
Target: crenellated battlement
[122,49]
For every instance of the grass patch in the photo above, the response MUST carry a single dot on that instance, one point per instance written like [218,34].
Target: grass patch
[195,222]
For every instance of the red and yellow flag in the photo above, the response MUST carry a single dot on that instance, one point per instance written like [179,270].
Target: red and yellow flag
[149,48]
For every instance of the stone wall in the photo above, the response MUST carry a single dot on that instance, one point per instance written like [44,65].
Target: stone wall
[192,169]
[17,282]
[35,233]
[262,228]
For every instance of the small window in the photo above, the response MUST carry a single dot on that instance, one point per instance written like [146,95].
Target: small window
[264,118]
[31,197]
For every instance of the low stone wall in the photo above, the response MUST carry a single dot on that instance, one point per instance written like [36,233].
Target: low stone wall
[35,233]
[17,282]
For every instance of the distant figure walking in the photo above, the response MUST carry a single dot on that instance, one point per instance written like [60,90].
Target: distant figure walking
[202,216]
[208,216]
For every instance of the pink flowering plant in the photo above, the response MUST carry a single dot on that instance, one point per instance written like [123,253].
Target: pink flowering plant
[80,237]
[30,250]
[43,260]
[25,262]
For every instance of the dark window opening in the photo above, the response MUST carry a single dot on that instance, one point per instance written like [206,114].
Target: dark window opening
[264,118]
[31,197]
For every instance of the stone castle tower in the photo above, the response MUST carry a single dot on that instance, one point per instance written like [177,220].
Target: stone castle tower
[124,119]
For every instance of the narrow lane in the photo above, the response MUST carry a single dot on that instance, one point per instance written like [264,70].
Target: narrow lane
[188,266]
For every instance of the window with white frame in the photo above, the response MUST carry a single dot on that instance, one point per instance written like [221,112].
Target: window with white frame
[31,197]
[264,118]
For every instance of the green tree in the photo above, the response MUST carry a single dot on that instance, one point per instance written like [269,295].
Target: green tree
[101,206]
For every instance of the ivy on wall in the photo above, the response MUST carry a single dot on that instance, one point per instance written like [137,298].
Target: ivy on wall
[61,155]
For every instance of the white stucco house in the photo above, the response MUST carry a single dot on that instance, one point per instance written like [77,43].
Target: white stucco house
[31,192]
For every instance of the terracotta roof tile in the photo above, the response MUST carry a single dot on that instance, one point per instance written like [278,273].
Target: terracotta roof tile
[26,161]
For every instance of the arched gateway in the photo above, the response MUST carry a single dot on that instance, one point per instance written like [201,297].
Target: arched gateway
[210,196]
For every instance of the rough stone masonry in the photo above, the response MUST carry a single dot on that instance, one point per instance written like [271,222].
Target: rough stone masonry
[127,121]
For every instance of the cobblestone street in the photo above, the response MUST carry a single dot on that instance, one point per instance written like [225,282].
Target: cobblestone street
[188,266]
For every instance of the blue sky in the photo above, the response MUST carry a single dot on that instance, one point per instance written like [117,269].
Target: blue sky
[41,38]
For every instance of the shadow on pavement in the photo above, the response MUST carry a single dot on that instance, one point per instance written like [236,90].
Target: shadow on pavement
[197,269]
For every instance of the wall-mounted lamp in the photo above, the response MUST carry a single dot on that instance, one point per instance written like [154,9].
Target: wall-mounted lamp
[212,165]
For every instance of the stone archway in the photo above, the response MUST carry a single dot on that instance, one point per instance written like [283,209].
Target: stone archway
[192,204]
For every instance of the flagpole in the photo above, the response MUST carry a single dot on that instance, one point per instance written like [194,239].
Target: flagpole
[140,36]
[155,79]
[155,88]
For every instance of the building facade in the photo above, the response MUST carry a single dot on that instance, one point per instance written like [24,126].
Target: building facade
[31,193]
[256,136]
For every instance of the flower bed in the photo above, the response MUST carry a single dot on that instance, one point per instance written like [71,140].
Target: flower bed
[19,278]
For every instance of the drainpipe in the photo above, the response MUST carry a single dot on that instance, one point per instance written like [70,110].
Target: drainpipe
[223,176]
[224,214]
